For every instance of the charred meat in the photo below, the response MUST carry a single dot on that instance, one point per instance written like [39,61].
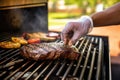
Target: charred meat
[43,51]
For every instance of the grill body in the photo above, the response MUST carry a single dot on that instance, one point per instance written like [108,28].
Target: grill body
[21,16]
[92,64]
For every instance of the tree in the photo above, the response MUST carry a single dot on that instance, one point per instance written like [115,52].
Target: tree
[84,4]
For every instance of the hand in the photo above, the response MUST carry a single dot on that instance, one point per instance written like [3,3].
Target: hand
[74,30]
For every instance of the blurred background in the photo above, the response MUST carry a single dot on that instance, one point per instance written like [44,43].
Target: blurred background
[59,10]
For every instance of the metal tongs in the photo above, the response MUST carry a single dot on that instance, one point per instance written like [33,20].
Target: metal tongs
[73,47]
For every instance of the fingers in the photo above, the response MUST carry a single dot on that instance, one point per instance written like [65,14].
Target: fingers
[74,39]
[77,29]
[65,34]
[64,38]
[71,33]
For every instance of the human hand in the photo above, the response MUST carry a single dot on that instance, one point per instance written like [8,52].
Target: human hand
[74,30]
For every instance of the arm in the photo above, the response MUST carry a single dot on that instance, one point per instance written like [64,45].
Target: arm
[110,16]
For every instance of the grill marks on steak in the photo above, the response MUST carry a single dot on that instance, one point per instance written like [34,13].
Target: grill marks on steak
[43,51]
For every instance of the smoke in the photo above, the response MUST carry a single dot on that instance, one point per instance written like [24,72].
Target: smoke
[32,19]
[15,18]
[35,19]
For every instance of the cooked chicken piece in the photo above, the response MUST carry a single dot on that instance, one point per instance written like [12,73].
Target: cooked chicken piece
[20,40]
[9,44]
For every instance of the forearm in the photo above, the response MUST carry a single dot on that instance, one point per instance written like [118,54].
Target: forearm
[110,16]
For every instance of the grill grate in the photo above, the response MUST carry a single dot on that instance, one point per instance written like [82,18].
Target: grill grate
[89,66]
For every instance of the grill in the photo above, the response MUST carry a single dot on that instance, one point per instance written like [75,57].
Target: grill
[93,63]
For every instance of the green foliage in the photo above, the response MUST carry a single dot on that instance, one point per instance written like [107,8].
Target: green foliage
[57,19]
[108,3]
[91,3]
[84,4]
[81,3]
[70,2]
[61,15]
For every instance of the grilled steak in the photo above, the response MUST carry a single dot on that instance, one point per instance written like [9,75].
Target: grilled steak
[43,51]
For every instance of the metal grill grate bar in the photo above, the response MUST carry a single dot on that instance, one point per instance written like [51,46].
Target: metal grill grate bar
[43,71]
[9,54]
[99,59]
[93,60]
[51,71]
[9,58]
[86,60]
[59,71]
[81,56]
[4,72]
[35,70]
[85,64]
[5,53]
[17,70]
[1,52]
[67,71]
[26,70]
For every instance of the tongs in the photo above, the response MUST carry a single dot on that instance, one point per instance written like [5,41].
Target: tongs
[73,47]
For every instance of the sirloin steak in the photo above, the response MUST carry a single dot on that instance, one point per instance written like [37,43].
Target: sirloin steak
[43,51]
